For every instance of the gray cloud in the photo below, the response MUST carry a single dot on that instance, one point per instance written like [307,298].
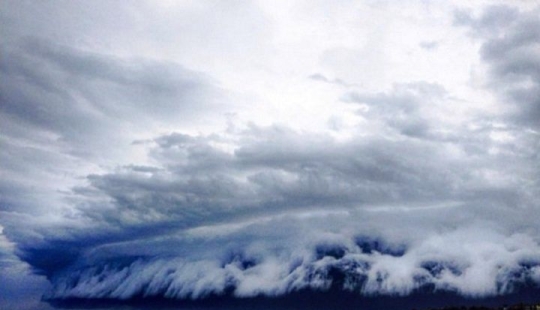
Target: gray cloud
[59,106]
[406,108]
[62,109]
[510,49]
[493,19]
[336,81]
[429,45]
[415,197]
[278,175]
[80,95]
[278,197]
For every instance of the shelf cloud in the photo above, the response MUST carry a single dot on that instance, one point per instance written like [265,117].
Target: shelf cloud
[150,166]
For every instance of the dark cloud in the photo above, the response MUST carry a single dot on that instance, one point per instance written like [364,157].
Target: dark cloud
[371,267]
[493,19]
[406,108]
[275,168]
[63,111]
[511,50]
[62,108]
[415,197]
[79,95]
[262,196]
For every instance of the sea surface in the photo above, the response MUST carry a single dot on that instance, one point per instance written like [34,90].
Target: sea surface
[309,300]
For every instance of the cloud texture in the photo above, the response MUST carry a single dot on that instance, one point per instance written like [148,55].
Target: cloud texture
[134,177]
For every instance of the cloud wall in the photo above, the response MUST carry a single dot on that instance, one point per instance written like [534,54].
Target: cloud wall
[163,168]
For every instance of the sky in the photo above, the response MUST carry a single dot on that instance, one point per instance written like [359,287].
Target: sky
[185,149]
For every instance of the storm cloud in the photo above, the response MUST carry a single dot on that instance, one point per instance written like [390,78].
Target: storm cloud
[129,177]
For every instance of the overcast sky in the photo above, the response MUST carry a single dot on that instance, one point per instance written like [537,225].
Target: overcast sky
[205,146]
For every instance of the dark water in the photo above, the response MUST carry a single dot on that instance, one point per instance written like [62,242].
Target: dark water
[310,300]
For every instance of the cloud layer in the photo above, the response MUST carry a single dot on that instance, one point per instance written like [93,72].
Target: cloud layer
[137,177]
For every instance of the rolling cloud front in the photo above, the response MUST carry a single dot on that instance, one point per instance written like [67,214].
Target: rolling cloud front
[190,150]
